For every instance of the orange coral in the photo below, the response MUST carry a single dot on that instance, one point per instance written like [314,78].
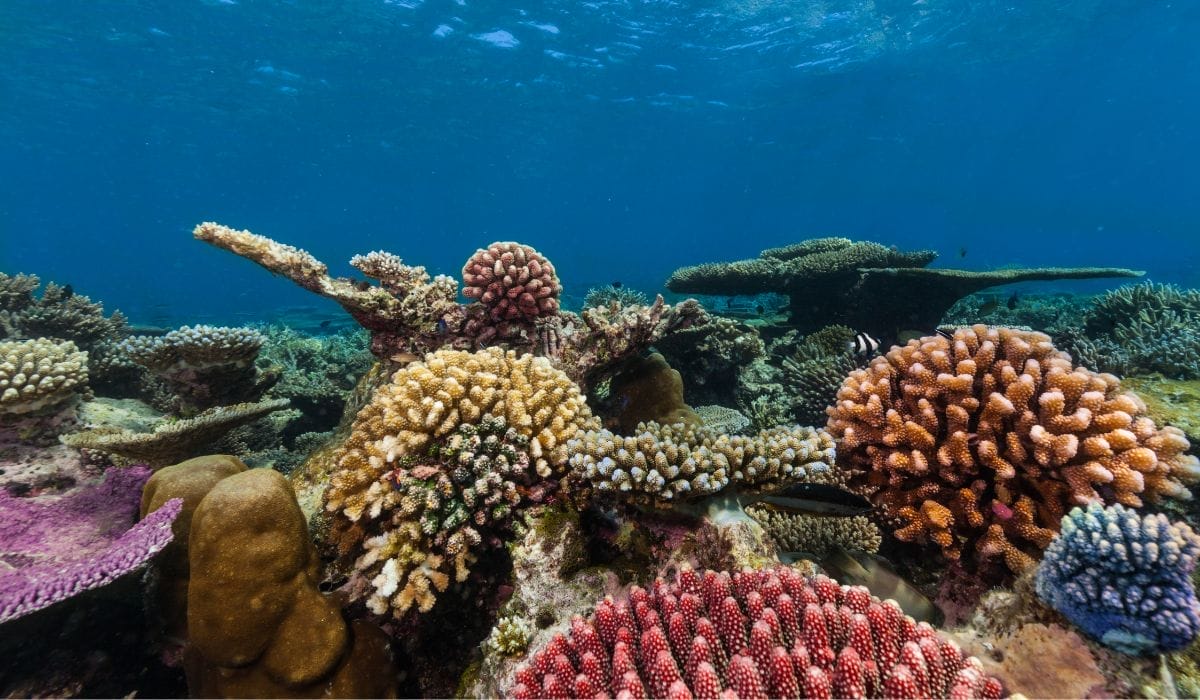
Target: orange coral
[981,442]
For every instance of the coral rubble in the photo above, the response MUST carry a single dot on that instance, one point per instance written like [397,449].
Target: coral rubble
[978,444]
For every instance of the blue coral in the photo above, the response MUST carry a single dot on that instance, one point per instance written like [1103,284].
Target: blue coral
[1124,578]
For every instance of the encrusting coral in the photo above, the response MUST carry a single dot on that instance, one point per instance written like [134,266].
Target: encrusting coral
[400,495]
[659,465]
[859,283]
[204,366]
[816,535]
[979,443]
[56,547]
[647,389]
[258,626]
[1124,578]
[755,634]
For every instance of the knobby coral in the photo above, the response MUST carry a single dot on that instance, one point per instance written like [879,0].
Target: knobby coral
[53,548]
[513,281]
[38,376]
[756,634]
[1124,578]
[661,464]
[440,451]
[979,443]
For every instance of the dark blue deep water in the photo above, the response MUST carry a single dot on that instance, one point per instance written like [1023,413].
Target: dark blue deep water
[622,139]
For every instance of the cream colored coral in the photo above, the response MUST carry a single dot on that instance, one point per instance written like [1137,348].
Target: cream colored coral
[40,375]
[666,463]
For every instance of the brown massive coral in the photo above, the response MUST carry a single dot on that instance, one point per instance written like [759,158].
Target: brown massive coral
[979,443]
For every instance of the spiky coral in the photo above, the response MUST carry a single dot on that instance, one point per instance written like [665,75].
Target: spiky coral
[402,494]
[1146,328]
[979,444]
[662,464]
[756,634]
[1124,578]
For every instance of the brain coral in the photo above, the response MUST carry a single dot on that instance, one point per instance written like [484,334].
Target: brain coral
[514,282]
[980,442]
[1124,578]
[412,475]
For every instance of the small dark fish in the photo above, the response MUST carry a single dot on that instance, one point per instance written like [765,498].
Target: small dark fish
[759,310]
[362,285]
[962,252]
[68,292]
[616,284]
[325,323]
[862,569]
[944,333]
[442,327]
[989,306]
[863,344]
[817,499]
[1012,301]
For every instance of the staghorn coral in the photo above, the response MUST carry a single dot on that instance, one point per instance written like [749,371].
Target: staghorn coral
[816,535]
[756,634]
[1145,328]
[402,445]
[40,376]
[1124,578]
[53,548]
[173,440]
[513,282]
[981,442]
[257,624]
[662,464]
[591,346]
[859,283]
[204,366]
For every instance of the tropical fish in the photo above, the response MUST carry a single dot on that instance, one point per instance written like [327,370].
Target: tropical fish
[405,358]
[853,568]
[989,306]
[1012,301]
[863,344]
[325,323]
[616,284]
[68,292]
[815,499]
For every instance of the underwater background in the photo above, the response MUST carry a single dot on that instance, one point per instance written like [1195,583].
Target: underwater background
[622,139]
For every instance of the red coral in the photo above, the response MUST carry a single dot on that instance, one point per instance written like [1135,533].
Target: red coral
[513,281]
[746,636]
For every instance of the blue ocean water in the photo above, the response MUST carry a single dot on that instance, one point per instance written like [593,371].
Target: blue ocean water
[621,138]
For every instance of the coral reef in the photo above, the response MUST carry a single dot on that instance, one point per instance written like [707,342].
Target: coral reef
[204,366]
[188,482]
[722,419]
[1049,313]
[980,443]
[647,389]
[257,624]
[661,464]
[1170,401]
[40,382]
[710,357]
[54,548]
[1124,578]
[766,633]
[816,535]
[514,282]
[59,313]
[1043,661]
[1146,328]
[408,478]
[610,295]
[172,441]
[812,373]
[859,283]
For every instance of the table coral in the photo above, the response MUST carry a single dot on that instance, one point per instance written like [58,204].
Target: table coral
[400,494]
[55,547]
[755,634]
[1124,578]
[662,464]
[979,443]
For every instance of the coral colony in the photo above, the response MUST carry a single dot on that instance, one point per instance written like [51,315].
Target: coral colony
[482,492]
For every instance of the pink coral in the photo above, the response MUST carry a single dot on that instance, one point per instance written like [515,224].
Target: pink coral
[513,281]
[755,634]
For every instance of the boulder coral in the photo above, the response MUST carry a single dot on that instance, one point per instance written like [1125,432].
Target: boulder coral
[257,624]
[979,443]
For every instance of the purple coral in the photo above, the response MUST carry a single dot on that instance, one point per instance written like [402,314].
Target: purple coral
[1124,578]
[52,548]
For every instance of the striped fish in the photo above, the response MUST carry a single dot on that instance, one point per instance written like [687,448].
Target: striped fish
[863,344]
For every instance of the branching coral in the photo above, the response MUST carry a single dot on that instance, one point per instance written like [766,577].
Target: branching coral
[813,371]
[205,366]
[1124,578]
[710,357]
[1146,328]
[424,461]
[513,282]
[59,313]
[859,283]
[981,442]
[609,295]
[756,634]
[40,376]
[816,535]
[662,464]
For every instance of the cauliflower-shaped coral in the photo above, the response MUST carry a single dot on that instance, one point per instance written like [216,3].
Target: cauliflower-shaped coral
[1124,578]
[39,376]
[980,442]
[514,282]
